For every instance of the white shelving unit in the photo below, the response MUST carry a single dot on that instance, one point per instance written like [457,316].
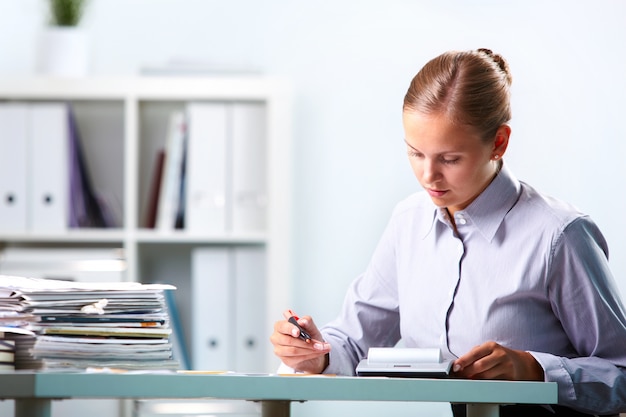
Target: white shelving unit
[123,121]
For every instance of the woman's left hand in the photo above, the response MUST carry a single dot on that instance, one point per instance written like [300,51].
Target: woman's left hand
[493,361]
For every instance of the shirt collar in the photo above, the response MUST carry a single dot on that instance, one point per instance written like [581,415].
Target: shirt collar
[491,206]
[488,210]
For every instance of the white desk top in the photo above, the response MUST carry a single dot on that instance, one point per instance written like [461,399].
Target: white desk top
[270,387]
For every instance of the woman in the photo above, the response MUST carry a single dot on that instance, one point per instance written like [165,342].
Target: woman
[508,282]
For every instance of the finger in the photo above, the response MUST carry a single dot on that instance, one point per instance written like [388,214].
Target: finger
[475,354]
[286,328]
[300,352]
[321,346]
[306,326]
[466,360]
[490,367]
[286,334]
[497,364]
[484,368]
[286,347]
[290,316]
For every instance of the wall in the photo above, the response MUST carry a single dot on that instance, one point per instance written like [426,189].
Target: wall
[350,63]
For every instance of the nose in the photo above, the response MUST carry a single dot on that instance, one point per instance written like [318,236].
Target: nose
[429,171]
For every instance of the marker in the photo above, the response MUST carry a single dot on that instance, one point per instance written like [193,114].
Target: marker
[303,333]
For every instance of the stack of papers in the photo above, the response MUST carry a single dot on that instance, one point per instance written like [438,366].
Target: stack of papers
[61,325]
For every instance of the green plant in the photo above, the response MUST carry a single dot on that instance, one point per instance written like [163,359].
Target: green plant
[66,12]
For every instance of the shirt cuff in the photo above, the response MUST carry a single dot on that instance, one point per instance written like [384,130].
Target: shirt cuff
[339,365]
[554,371]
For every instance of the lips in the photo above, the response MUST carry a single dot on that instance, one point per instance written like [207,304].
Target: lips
[436,193]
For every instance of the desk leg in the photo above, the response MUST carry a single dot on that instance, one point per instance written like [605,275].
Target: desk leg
[33,407]
[483,410]
[274,408]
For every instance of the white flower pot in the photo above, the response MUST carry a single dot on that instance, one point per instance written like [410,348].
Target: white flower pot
[63,51]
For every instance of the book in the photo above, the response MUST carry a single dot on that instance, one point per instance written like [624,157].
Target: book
[170,183]
[152,205]
[85,209]
[179,218]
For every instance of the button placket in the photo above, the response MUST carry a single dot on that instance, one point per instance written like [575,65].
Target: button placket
[452,292]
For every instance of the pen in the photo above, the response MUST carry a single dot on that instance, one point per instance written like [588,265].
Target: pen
[304,335]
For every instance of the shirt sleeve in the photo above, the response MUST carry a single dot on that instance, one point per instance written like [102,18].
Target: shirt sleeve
[585,299]
[369,316]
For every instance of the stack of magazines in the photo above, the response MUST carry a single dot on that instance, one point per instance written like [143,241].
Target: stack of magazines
[62,325]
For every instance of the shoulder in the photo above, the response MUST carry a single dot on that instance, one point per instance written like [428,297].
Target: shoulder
[540,207]
[564,221]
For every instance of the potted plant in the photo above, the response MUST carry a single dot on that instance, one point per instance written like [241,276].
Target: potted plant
[63,50]
[66,12]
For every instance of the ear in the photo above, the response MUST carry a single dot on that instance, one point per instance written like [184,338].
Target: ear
[501,141]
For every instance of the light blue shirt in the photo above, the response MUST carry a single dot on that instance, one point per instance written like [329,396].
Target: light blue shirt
[525,270]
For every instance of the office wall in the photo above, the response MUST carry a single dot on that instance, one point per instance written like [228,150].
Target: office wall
[350,63]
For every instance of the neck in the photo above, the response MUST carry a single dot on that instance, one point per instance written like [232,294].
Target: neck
[498,167]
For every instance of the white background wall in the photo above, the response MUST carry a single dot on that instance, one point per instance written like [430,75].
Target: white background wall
[350,63]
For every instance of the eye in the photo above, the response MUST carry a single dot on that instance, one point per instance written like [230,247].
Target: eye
[415,154]
[450,161]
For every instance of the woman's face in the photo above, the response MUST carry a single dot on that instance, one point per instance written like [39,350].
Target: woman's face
[452,163]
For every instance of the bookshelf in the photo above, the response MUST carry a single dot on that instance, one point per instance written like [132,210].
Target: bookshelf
[123,121]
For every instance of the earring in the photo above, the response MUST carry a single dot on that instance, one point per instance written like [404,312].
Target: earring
[496,156]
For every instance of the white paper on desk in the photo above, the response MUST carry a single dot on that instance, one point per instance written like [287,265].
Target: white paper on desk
[404,362]
[284,369]
[404,355]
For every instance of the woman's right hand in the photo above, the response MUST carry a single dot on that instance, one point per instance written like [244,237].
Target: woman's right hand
[303,356]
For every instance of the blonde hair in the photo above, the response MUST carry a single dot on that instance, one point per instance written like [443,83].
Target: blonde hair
[471,88]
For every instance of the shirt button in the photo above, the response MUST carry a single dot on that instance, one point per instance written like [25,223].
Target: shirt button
[461,220]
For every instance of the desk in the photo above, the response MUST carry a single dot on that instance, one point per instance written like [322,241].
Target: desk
[33,392]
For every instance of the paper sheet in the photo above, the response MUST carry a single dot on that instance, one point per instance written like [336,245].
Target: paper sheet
[403,355]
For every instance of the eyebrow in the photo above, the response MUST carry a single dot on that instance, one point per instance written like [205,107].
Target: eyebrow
[455,152]
[410,146]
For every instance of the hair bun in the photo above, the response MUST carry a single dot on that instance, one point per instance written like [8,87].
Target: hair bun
[498,59]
